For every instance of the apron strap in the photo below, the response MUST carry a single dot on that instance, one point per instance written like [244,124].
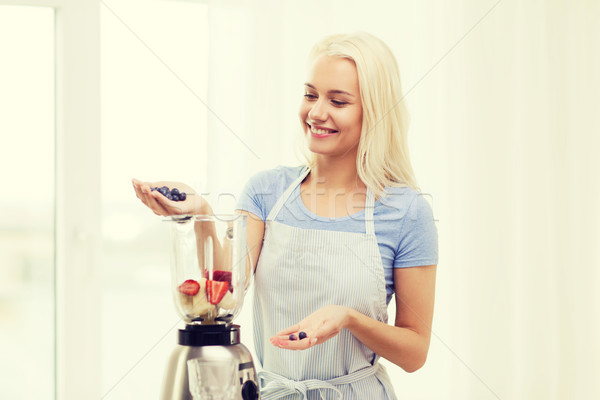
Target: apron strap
[369,203]
[278,386]
[369,209]
[282,199]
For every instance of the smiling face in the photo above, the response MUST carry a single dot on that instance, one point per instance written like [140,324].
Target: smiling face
[331,111]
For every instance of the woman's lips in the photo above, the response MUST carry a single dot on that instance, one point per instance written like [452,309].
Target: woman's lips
[320,132]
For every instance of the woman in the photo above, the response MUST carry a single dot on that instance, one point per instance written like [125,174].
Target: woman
[335,239]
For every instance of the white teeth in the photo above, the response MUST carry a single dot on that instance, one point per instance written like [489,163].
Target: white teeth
[320,131]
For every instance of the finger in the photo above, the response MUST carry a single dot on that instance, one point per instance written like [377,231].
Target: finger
[144,195]
[149,200]
[285,343]
[140,188]
[137,188]
[152,199]
[303,345]
[155,200]
[291,335]
[279,341]
[145,190]
[285,338]
[170,207]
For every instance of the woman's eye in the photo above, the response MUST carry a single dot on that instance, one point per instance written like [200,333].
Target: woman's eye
[310,96]
[338,103]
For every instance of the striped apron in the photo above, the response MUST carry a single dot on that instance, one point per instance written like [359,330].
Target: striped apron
[300,271]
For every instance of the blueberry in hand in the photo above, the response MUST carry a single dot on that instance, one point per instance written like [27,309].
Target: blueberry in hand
[302,335]
[171,194]
[292,337]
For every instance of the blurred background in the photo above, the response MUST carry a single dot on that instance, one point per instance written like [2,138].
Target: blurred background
[504,137]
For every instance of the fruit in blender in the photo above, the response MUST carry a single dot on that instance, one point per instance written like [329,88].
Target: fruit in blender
[216,290]
[203,297]
[219,275]
[228,301]
[189,287]
[200,304]
[194,302]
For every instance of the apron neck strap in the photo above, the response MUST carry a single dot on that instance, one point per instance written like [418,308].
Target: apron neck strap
[369,209]
[282,199]
[369,203]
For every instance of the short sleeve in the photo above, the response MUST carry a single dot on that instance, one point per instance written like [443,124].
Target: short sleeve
[418,237]
[251,198]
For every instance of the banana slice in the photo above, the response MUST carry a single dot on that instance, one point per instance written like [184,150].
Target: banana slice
[228,301]
[186,302]
[201,307]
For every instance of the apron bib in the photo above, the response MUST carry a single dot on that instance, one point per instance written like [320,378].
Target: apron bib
[300,271]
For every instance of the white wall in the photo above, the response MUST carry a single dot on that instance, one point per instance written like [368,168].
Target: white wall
[504,136]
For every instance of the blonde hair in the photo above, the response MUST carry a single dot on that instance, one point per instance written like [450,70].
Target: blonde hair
[382,159]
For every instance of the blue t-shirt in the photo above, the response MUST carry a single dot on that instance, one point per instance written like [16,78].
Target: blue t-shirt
[404,223]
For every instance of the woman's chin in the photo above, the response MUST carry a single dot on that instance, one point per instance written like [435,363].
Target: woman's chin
[319,149]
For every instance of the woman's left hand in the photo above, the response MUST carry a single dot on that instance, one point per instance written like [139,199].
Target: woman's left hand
[319,327]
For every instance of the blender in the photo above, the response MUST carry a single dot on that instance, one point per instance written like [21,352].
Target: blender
[210,272]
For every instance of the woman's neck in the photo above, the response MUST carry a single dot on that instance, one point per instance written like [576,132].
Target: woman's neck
[333,189]
[339,173]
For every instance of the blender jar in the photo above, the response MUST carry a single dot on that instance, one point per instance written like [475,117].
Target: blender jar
[210,266]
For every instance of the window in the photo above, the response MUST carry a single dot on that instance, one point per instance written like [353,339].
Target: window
[27,239]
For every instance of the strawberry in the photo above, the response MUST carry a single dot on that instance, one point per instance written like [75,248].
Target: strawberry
[218,275]
[222,276]
[189,287]
[215,290]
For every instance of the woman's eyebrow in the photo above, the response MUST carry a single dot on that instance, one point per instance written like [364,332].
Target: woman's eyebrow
[336,91]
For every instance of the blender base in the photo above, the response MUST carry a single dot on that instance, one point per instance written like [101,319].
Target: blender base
[209,342]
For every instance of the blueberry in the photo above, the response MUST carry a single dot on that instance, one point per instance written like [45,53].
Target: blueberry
[174,197]
[163,190]
[292,337]
[153,189]
[182,196]
[168,196]
[302,335]
[175,191]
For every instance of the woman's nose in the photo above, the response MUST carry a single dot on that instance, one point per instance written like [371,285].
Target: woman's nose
[318,111]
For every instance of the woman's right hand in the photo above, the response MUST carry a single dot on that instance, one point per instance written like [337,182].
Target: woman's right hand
[160,205]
